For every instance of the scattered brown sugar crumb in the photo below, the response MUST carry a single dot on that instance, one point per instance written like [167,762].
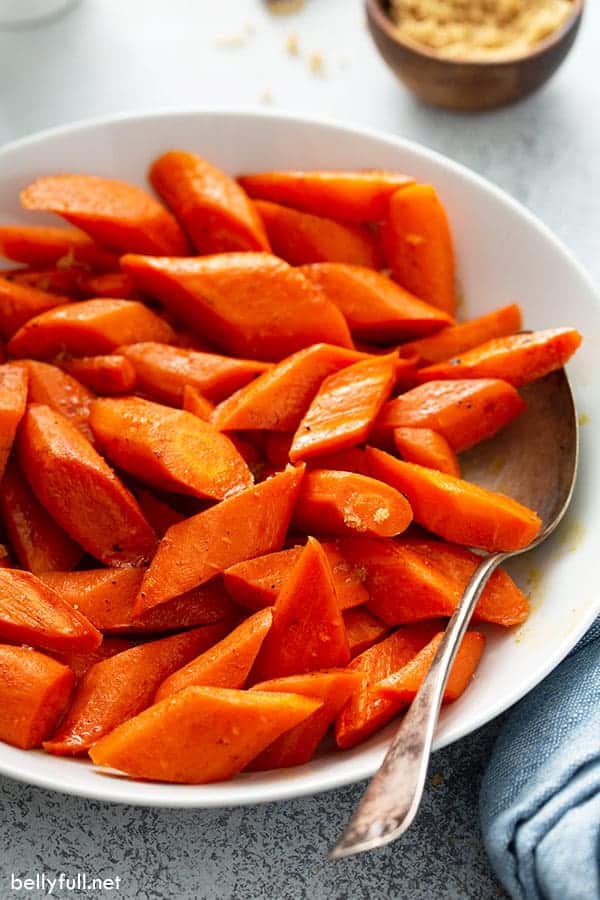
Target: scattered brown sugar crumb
[266,97]
[236,41]
[284,7]
[437,780]
[291,43]
[316,63]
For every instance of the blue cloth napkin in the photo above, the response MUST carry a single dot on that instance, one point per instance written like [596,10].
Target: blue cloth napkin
[540,797]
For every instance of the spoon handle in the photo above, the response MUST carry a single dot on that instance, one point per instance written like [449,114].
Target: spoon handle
[392,799]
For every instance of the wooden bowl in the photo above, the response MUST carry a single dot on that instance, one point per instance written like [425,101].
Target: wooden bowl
[469,85]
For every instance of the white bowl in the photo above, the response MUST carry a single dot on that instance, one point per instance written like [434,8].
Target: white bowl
[504,254]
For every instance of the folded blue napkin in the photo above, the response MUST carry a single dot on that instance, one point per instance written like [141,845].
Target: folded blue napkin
[540,797]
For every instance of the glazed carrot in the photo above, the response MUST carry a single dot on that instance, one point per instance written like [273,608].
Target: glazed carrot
[64,284]
[163,372]
[226,664]
[215,211]
[5,560]
[249,524]
[46,245]
[2,352]
[169,448]
[464,412]
[34,691]
[87,328]
[32,613]
[81,661]
[348,196]
[106,598]
[302,238]
[375,307]
[363,629]
[201,735]
[251,304]
[20,302]
[277,399]
[13,398]
[351,460]
[518,358]
[38,542]
[256,583]
[427,448]
[333,688]
[159,515]
[103,374]
[120,687]
[345,407]
[196,404]
[118,215]
[107,284]
[308,630]
[457,338]
[80,491]
[277,448]
[418,245]
[457,510]
[60,391]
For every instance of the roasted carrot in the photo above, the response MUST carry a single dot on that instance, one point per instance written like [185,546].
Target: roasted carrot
[118,215]
[214,210]
[32,613]
[363,629]
[277,448]
[34,692]
[464,412]
[81,662]
[456,339]
[375,307]
[249,524]
[13,398]
[63,393]
[345,407]
[65,283]
[107,284]
[5,559]
[277,400]
[517,358]
[80,491]
[457,510]
[202,734]
[308,630]
[418,245]
[169,448]
[20,302]
[251,304]
[46,245]
[159,514]
[38,542]
[112,374]
[120,687]
[427,448]
[87,328]
[351,460]
[348,196]
[196,404]
[302,238]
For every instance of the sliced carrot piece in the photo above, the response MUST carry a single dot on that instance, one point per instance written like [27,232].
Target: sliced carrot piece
[21,302]
[34,692]
[87,328]
[201,735]
[277,448]
[196,404]
[249,524]
[80,491]
[112,374]
[52,387]
[120,687]
[13,398]
[418,245]
[107,284]
[39,543]
[351,460]
[169,448]
[5,560]
[333,688]
[348,196]
[32,613]
[46,245]
[458,511]
[344,503]
[277,400]
[363,629]
[118,215]
[345,407]
[517,358]
[457,338]
[251,304]
[464,412]
[308,630]
[427,448]
[159,515]
[214,210]
[81,662]
[375,307]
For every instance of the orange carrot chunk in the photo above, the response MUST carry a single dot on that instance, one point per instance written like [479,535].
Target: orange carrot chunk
[248,524]
[21,302]
[375,307]
[196,404]
[60,391]
[457,510]
[34,691]
[81,662]
[159,514]
[427,448]
[63,284]
[251,304]
[214,210]
[46,245]
[118,215]
[13,398]
[169,448]
[363,629]
[201,735]
[80,491]
[103,374]
[107,284]
[517,358]
[418,245]
[5,560]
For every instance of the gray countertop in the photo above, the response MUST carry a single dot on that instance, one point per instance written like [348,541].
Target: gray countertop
[108,56]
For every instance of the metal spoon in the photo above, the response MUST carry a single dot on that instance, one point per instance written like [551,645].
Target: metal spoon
[533,460]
